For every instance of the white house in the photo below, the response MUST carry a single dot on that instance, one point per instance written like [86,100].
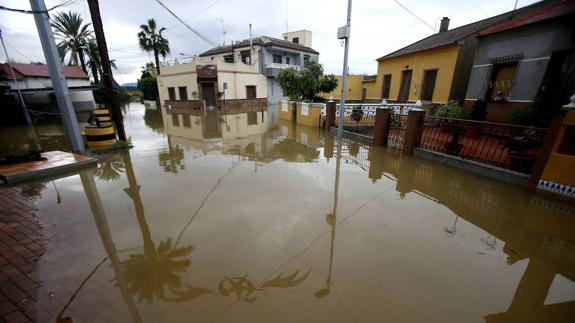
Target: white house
[36,86]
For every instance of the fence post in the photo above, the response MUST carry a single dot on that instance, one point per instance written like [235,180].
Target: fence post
[381,127]
[413,130]
[329,114]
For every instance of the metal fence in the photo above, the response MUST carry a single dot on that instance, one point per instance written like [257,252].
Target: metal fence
[397,126]
[498,144]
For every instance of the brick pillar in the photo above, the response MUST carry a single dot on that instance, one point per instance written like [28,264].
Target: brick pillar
[381,127]
[548,143]
[413,131]
[329,114]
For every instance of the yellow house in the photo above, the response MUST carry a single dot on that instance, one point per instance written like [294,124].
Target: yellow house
[359,88]
[435,69]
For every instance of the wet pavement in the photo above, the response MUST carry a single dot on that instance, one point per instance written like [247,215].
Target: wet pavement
[240,217]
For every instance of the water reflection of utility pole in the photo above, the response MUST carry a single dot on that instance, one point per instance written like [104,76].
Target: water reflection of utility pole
[105,235]
[331,219]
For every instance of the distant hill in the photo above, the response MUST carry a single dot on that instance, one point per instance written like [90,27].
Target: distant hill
[132,84]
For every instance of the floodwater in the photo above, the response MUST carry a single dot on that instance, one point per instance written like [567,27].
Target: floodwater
[242,217]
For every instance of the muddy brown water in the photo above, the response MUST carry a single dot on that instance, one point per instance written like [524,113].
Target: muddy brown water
[216,217]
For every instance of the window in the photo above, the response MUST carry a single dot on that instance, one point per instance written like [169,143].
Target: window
[246,56]
[172,94]
[363,94]
[501,81]
[295,40]
[187,121]
[428,85]
[305,59]
[252,118]
[229,58]
[385,86]
[183,91]
[250,92]
[404,86]
[287,60]
[175,120]
[277,58]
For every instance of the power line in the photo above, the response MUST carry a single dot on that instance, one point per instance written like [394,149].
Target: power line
[195,15]
[414,15]
[63,4]
[207,40]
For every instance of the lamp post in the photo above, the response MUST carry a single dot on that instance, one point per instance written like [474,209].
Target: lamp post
[344,33]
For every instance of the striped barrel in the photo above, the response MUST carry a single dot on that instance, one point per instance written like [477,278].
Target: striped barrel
[100,137]
[102,116]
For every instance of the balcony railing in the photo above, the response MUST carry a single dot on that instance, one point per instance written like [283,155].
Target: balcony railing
[282,66]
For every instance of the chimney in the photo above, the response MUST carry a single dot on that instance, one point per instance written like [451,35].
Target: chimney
[444,24]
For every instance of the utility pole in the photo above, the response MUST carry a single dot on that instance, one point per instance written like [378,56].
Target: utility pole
[107,69]
[344,33]
[57,76]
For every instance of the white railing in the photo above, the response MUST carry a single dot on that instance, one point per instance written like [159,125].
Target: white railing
[282,66]
[370,108]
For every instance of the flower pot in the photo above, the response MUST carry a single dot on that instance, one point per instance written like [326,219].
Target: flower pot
[474,132]
[522,162]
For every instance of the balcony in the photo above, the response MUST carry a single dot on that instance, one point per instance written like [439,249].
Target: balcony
[273,69]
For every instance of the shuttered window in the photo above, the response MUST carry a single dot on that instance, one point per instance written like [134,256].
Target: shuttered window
[404,86]
[172,93]
[501,81]
[183,91]
[386,86]
[428,85]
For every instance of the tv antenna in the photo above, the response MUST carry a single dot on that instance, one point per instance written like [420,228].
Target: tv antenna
[223,31]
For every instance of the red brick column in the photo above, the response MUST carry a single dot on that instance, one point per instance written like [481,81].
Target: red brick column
[413,131]
[329,114]
[381,127]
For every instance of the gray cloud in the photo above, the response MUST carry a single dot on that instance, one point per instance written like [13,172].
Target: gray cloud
[378,27]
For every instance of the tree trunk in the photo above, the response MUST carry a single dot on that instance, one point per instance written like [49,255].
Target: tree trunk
[82,61]
[95,73]
[156,56]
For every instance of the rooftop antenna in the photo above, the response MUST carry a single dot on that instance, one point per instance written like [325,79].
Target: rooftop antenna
[514,8]
[223,30]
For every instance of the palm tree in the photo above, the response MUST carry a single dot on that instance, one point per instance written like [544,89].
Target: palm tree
[95,64]
[73,35]
[152,41]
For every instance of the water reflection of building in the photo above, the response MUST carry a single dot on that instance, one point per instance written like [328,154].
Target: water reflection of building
[249,133]
[532,228]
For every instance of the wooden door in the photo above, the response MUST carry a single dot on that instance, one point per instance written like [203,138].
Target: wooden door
[404,86]
[209,94]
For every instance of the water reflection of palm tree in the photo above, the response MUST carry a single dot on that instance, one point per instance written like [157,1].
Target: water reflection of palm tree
[172,159]
[110,168]
[149,274]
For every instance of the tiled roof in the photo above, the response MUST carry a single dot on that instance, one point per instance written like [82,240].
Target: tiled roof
[259,41]
[41,70]
[453,35]
[554,10]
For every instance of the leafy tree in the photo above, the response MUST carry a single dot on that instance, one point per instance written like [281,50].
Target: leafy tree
[152,41]
[148,83]
[73,35]
[306,84]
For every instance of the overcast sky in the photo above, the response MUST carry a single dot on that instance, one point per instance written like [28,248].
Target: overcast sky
[378,26]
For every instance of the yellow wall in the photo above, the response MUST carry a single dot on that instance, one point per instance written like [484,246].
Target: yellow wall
[354,86]
[559,167]
[442,58]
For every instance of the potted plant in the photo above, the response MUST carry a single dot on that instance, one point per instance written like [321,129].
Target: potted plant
[478,112]
[520,150]
[450,110]
[357,114]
